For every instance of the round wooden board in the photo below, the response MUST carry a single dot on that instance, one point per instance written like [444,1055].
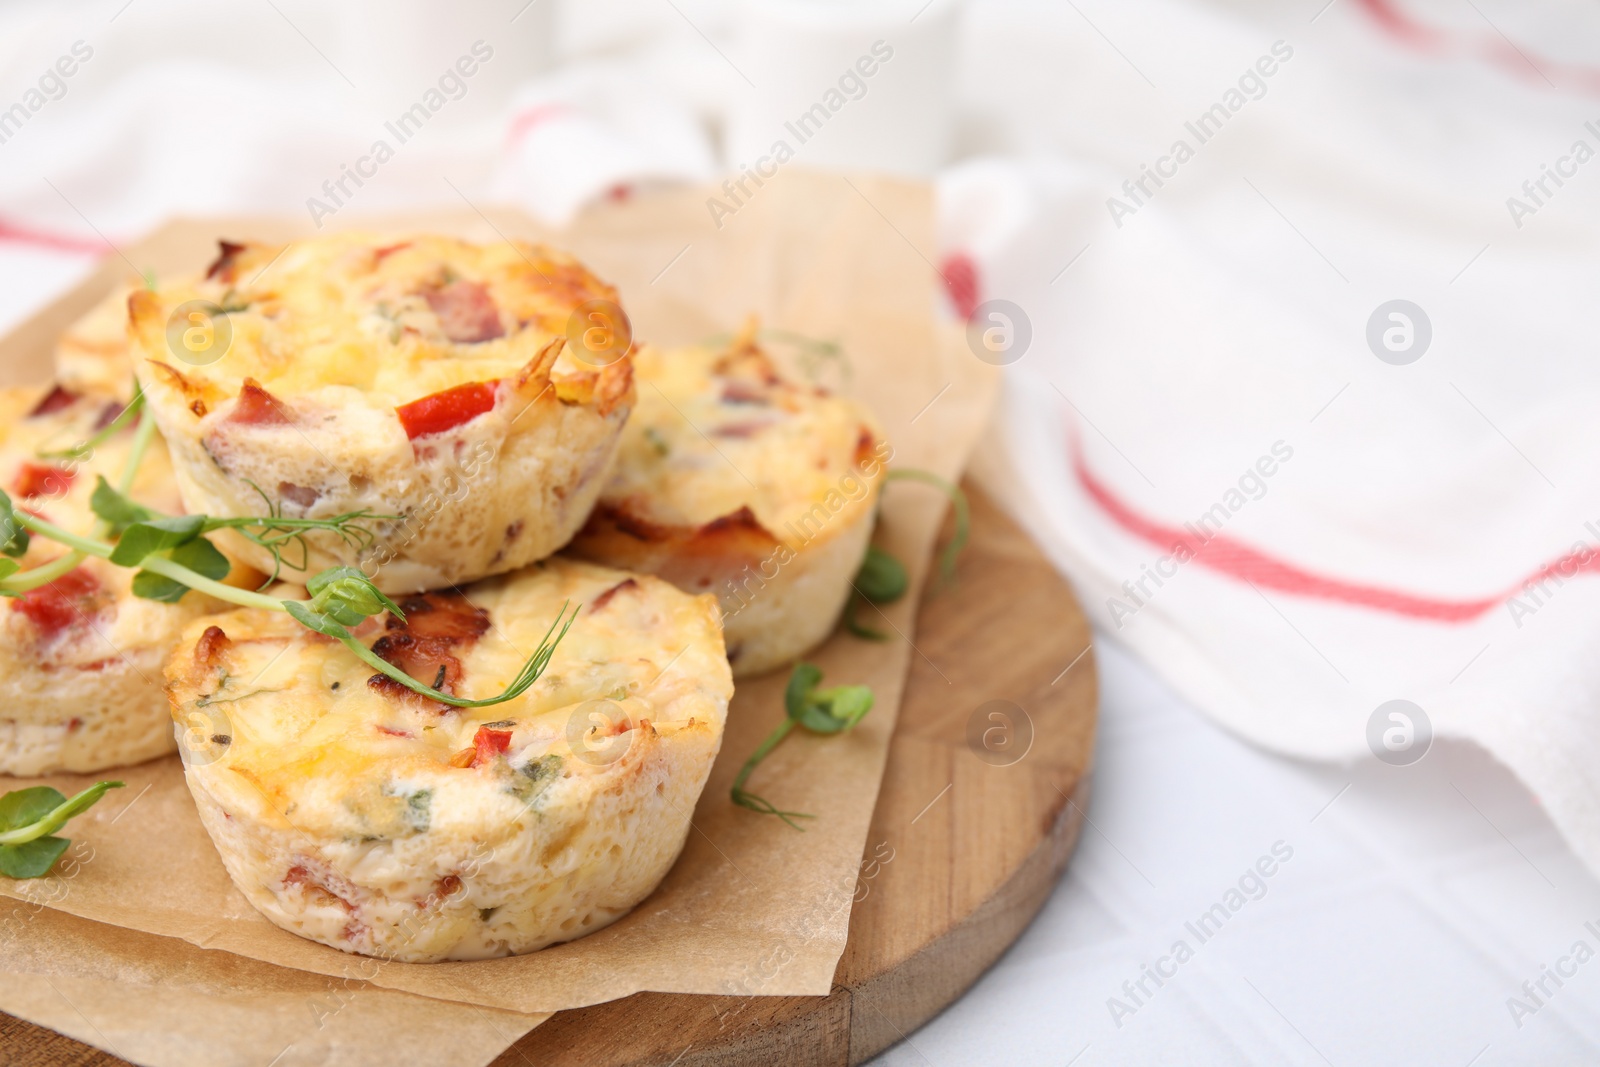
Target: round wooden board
[962,853]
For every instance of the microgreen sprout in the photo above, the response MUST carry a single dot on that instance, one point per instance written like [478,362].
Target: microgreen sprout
[821,711]
[882,579]
[282,530]
[29,819]
[172,556]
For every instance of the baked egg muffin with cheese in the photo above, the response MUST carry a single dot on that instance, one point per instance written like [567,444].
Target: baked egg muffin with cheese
[425,379]
[354,812]
[92,355]
[735,480]
[80,655]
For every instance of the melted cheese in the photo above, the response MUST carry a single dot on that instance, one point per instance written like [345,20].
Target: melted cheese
[24,440]
[352,311]
[310,745]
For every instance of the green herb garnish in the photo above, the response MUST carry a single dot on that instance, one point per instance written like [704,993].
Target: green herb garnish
[14,538]
[882,579]
[173,557]
[84,449]
[28,820]
[958,504]
[821,711]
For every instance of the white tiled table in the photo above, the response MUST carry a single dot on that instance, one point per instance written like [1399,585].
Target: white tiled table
[1413,906]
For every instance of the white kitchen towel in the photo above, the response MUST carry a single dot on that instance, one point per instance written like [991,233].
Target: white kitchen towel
[1295,498]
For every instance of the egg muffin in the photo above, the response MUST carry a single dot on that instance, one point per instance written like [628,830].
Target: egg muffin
[354,812]
[429,380]
[80,656]
[92,355]
[735,480]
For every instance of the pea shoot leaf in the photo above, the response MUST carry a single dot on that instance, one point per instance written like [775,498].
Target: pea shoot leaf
[23,806]
[882,579]
[33,859]
[115,508]
[822,711]
[348,596]
[28,820]
[199,555]
[315,620]
[146,538]
[13,535]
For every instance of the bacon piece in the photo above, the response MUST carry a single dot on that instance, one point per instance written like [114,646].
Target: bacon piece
[257,407]
[57,399]
[447,615]
[447,409]
[380,254]
[392,732]
[427,659]
[743,519]
[444,889]
[743,392]
[222,266]
[741,429]
[729,547]
[212,644]
[628,522]
[108,414]
[865,446]
[488,743]
[314,889]
[298,494]
[36,480]
[63,604]
[605,598]
[467,313]
[437,626]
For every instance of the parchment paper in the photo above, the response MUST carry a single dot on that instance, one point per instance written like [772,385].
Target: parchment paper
[752,906]
[161,1002]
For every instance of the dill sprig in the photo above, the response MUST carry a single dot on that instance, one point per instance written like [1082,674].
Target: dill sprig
[338,598]
[276,530]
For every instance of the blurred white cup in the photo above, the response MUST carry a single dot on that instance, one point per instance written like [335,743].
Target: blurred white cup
[394,51]
[846,84]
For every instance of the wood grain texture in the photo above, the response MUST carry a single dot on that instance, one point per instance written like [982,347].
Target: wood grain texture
[965,844]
